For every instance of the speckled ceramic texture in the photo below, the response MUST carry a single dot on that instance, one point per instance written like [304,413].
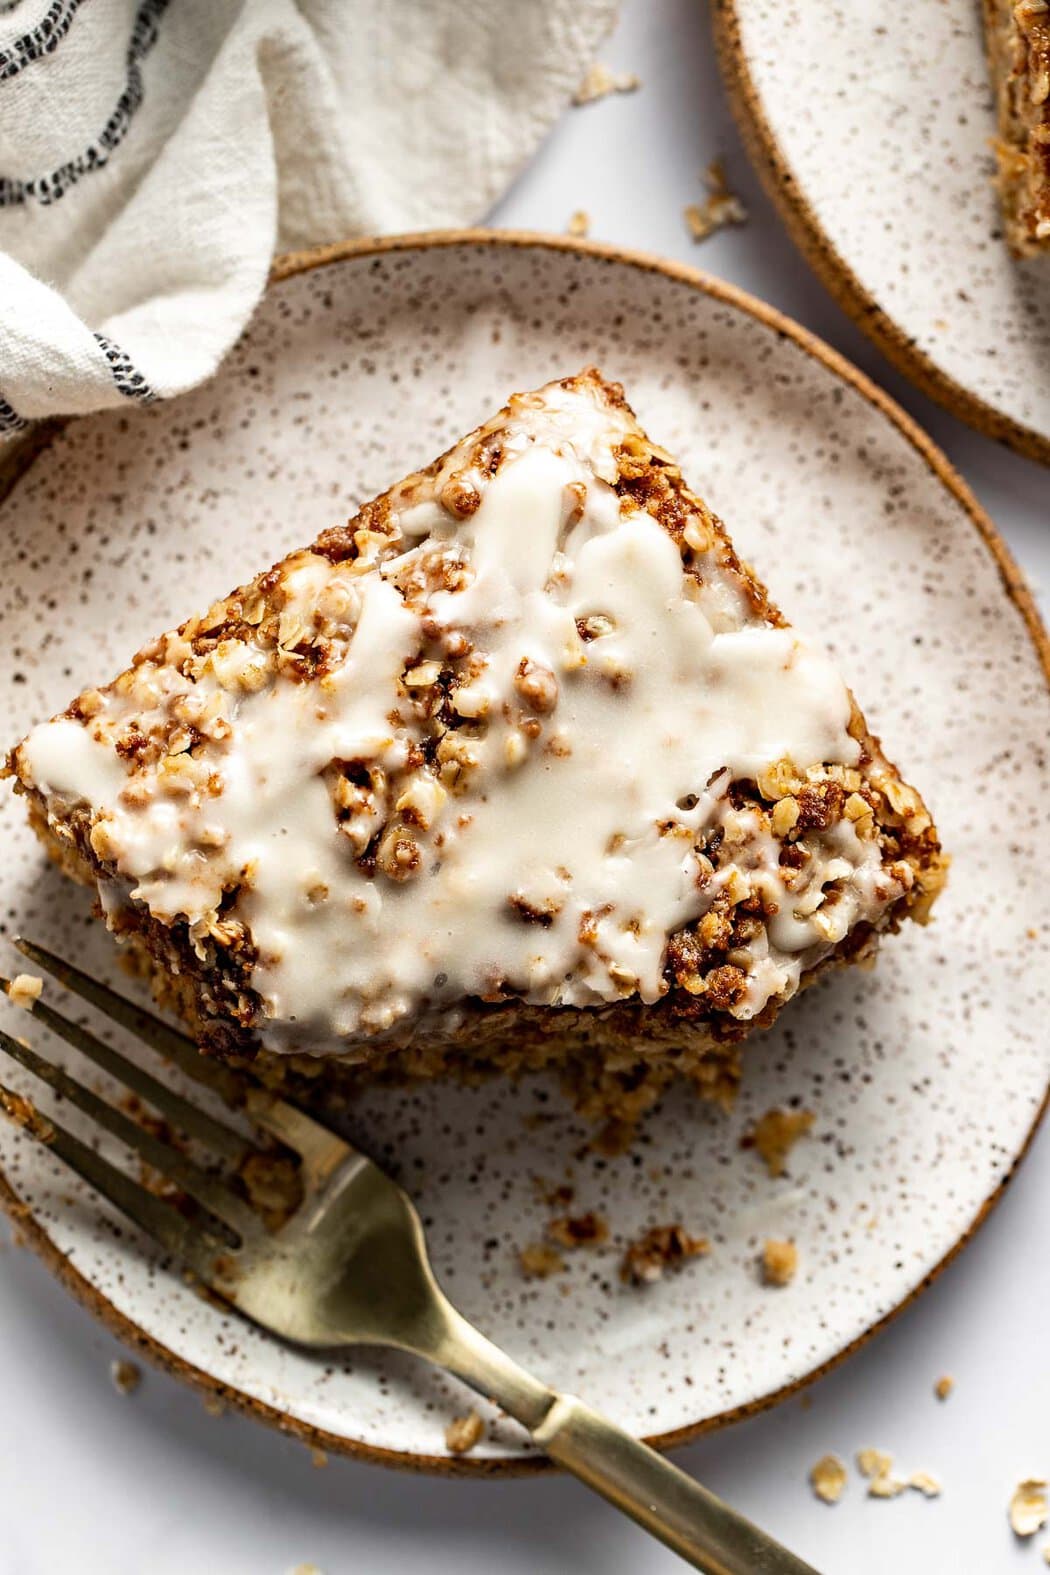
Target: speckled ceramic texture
[926,1076]
[872,124]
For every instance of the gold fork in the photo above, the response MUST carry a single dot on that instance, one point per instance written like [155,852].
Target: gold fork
[349,1267]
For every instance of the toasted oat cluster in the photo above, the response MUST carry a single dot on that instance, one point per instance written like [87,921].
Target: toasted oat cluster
[519,767]
[1018,35]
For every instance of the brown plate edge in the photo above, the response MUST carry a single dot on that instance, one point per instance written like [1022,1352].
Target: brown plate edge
[833,270]
[33,1234]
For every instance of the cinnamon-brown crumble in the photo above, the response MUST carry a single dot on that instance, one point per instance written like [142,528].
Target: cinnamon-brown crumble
[660,1248]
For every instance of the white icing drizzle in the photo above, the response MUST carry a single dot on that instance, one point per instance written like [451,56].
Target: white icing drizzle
[555,865]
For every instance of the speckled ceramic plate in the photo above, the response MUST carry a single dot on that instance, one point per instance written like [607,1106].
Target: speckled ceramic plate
[872,125]
[927,1077]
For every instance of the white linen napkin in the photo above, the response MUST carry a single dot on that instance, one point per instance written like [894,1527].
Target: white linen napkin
[155,153]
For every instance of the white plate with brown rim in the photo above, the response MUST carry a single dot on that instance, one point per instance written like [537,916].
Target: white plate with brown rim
[872,126]
[927,1077]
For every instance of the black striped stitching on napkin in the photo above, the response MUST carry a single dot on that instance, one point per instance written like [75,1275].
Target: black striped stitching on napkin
[49,188]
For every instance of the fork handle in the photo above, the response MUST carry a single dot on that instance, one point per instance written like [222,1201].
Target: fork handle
[662,1499]
[665,1501]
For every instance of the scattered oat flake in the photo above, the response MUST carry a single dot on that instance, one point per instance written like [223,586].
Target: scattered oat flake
[539,1261]
[578,1230]
[600,82]
[779,1262]
[874,1463]
[828,1478]
[775,1134]
[318,1458]
[1028,1507]
[719,208]
[463,1432]
[24,990]
[126,1377]
[659,1248]
[944,1386]
[579,223]
[925,1483]
[885,1487]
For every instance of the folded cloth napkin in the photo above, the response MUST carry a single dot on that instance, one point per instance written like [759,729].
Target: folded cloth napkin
[155,153]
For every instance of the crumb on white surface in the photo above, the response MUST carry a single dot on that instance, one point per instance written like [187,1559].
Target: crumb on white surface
[600,82]
[944,1386]
[874,1463]
[24,990]
[126,1376]
[463,1433]
[1028,1507]
[828,1478]
[886,1487]
[579,223]
[719,208]
[877,1466]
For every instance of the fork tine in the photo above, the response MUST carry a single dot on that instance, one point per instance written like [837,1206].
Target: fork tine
[320,1150]
[317,1146]
[182,1112]
[177,1235]
[159,1035]
[208,1190]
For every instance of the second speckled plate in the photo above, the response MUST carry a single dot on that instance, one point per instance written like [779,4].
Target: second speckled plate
[927,1077]
[872,125]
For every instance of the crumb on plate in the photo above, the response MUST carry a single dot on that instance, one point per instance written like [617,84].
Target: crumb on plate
[463,1432]
[539,1261]
[779,1262]
[944,1386]
[661,1247]
[579,223]
[556,1195]
[24,990]
[775,1134]
[578,1230]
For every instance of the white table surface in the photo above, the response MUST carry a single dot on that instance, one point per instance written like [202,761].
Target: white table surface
[93,1482]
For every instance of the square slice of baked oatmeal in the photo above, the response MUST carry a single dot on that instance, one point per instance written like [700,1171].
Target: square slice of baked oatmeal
[519,768]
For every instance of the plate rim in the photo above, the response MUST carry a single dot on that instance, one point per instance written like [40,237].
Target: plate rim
[33,1233]
[835,273]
